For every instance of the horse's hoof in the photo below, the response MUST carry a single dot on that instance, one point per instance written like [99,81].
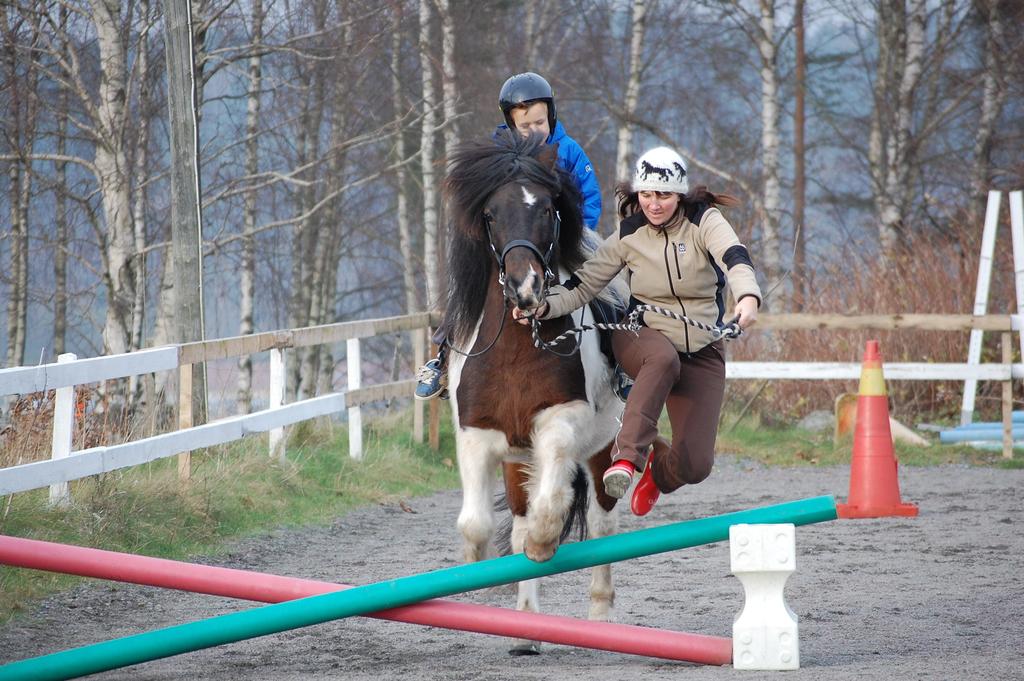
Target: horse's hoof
[525,648]
[539,553]
[600,611]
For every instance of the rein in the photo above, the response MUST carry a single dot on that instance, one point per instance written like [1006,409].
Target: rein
[729,331]
[501,327]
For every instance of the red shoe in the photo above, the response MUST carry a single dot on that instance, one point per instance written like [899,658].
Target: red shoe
[646,493]
[617,478]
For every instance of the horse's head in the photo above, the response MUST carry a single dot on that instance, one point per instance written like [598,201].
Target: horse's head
[515,212]
[523,226]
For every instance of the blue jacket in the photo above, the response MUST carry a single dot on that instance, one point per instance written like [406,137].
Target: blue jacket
[574,159]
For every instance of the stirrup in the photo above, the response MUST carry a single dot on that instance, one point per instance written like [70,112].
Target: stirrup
[621,383]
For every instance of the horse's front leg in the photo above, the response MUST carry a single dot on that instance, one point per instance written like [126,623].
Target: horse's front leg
[602,521]
[516,477]
[556,440]
[478,452]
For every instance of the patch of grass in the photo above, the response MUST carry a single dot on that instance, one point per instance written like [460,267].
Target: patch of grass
[234,491]
[789,446]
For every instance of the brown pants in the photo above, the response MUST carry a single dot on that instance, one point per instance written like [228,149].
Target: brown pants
[691,387]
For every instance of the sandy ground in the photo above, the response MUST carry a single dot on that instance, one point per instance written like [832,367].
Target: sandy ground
[933,597]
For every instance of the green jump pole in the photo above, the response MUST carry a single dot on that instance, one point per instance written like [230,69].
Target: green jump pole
[360,600]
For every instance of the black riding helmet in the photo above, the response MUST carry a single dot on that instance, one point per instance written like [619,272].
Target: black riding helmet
[526,87]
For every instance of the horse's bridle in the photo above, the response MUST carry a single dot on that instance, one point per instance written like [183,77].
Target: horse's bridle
[545,258]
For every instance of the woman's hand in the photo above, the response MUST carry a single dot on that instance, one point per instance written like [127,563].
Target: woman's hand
[746,311]
[523,316]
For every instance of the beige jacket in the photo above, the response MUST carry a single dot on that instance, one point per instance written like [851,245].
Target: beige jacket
[684,268]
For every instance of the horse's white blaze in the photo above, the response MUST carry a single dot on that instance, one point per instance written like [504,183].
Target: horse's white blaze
[525,290]
[528,198]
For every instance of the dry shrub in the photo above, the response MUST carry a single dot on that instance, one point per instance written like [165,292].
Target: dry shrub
[100,419]
[932,273]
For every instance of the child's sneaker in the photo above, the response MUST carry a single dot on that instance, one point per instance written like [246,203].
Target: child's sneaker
[431,381]
[617,478]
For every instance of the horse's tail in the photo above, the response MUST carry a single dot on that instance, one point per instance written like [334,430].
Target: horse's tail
[575,519]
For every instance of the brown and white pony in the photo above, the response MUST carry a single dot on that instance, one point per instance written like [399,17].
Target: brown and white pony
[549,420]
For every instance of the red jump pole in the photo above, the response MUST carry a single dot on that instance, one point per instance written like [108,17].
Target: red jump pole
[267,588]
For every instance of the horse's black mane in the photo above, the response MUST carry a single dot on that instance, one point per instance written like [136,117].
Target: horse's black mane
[477,169]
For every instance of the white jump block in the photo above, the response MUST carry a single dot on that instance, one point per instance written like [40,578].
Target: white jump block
[764,635]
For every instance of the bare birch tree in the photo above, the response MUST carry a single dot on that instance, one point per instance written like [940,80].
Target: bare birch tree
[535,10]
[448,80]
[247,275]
[431,264]
[139,203]
[767,48]
[60,218]
[19,136]
[993,97]
[624,147]
[325,284]
[901,42]
[799,160]
[405,245]
[15,351]
[111,162]
[307,229]
[759,27]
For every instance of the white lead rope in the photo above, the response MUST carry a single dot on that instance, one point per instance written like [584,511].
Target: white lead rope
[728,332]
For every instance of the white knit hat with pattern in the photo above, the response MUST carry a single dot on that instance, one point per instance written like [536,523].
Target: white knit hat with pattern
[660,170]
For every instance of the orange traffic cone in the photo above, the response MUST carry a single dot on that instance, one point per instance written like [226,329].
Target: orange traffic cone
[874,487]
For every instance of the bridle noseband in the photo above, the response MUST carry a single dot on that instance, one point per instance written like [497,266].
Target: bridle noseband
[545,258]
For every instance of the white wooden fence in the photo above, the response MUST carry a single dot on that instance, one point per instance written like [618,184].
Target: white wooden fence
[68,372]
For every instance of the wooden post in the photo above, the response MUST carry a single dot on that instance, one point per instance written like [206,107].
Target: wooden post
[276,399]
[1017,237]
[988,245]
[184,417]
[355,414]
[434,434]
[63,427]
[419,357]
[1007,343]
